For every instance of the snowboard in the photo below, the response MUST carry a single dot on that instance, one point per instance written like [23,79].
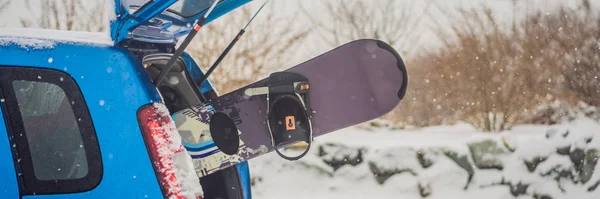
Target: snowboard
[354,83]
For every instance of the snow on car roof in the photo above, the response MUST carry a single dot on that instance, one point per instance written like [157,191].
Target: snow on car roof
[45,38]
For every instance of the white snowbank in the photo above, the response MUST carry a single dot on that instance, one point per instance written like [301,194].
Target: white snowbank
[396,150]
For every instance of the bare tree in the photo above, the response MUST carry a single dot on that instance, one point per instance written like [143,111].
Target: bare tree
[67,15]
[3,4]
[495,76]
[266,46]
[396,22]
[578,41]
[482,75]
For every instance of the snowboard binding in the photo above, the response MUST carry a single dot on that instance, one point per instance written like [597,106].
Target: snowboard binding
[288,113]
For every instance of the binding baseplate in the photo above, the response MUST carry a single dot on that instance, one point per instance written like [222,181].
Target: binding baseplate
[288,113]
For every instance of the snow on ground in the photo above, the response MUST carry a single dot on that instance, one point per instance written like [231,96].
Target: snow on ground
[392,155]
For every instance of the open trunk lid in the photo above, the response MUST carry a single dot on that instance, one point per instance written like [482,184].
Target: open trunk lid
[163,21]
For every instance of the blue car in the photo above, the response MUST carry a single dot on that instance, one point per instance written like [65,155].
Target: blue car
[80,114]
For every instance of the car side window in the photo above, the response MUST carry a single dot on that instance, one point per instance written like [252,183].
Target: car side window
[51,130]
[53,135]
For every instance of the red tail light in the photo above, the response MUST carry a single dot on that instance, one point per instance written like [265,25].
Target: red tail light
[172,164]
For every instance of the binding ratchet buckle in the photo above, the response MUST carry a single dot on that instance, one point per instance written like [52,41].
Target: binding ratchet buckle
[288,110]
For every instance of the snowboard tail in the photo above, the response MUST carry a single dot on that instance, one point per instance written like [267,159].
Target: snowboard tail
[354,83]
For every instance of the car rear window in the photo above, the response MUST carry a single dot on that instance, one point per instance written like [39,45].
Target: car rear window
[53,136]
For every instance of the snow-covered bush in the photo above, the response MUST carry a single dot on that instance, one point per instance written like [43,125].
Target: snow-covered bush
[557,112]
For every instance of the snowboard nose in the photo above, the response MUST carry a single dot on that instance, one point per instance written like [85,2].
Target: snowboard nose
[401,67]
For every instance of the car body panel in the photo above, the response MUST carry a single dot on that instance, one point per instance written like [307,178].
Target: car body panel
[244,169]
[99,69]
[99,65]
[9,187]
